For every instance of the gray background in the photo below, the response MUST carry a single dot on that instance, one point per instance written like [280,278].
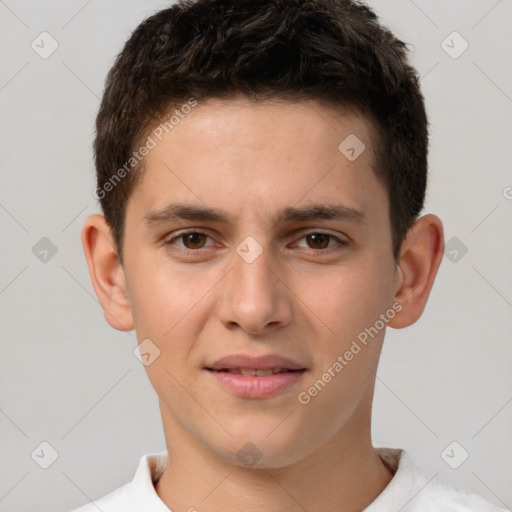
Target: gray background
[69,379]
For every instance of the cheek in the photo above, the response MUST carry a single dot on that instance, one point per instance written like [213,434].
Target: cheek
[165,298]
[349,301]
[346,299]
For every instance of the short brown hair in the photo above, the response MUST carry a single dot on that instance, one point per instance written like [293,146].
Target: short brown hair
[334,51]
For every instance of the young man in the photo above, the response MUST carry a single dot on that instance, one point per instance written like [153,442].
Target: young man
[261,169]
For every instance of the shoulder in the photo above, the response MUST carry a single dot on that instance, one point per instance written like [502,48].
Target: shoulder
[137,495]
[438,494]
[414,490]
[115,501]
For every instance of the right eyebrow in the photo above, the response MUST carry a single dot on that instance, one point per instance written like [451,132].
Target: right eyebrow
[184,211]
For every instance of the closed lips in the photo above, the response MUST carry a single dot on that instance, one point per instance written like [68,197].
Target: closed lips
[252,372]
[268,364]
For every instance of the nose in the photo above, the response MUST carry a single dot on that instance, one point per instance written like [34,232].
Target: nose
[254,296]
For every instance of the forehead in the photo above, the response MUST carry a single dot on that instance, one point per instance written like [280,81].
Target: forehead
[260,158]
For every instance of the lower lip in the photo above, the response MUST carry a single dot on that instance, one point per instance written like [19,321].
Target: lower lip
[252,386]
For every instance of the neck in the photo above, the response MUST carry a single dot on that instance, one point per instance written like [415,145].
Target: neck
[341,476]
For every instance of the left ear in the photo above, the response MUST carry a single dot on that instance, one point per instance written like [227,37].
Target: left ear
[420,257]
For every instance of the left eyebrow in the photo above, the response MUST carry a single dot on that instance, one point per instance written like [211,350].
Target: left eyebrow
[322,211]
[184,211]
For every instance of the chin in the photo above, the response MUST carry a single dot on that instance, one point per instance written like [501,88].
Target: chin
[261,445]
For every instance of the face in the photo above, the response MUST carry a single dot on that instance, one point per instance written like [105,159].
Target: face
[251,236]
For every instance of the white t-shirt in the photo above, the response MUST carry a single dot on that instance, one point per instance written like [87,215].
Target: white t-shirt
[410,490]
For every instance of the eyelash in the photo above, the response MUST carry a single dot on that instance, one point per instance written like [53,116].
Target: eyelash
[341,243]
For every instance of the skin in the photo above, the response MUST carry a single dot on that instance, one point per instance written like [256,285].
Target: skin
[253,161]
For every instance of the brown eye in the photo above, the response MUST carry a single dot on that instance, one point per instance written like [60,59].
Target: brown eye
[194,240]
[318,240]
[321,242]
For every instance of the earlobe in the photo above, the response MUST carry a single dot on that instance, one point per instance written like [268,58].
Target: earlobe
[106,272]
[420,257]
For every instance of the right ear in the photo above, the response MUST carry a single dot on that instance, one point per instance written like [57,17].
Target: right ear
[107,273]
